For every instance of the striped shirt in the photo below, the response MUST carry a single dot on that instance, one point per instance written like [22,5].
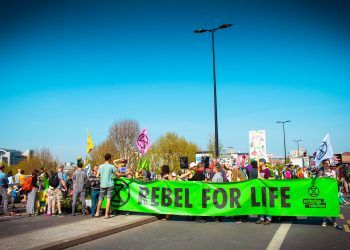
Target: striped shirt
[94,181]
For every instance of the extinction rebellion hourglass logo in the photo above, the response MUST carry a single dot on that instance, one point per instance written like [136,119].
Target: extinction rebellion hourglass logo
[314,202]
[121,194]
[322,150]
[314,191]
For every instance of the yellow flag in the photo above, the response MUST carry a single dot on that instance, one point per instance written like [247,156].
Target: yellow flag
[89,144]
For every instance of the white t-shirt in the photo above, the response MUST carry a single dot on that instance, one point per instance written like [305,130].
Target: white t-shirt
[330,174]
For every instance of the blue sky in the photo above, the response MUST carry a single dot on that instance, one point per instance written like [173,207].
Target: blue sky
[70,65]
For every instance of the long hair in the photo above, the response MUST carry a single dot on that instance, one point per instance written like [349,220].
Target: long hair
[254,164]
[165,170]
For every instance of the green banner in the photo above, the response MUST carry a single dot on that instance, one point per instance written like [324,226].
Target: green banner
[299,197]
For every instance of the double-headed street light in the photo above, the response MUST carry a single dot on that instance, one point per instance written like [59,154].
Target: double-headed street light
[212,31]
[297,141]
[284,140]
[302,157]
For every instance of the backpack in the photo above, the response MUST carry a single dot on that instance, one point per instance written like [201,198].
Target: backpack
[288,175]
[27,186]
[54,181]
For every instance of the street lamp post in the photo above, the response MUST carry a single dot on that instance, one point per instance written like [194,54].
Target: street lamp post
[212,31]
[284,140]
[302,157]
[297,141]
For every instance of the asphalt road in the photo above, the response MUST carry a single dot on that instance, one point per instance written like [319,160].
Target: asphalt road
[179,233]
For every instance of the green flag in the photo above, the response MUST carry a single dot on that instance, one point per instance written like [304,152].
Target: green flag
[144,165]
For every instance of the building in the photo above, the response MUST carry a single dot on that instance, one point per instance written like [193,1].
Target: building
[275,160]
[13,157]
[346,157]
[69,167]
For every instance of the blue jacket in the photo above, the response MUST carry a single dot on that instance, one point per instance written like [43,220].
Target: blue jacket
[3,179]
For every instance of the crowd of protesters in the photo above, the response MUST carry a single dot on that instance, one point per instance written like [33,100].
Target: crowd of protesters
[45,193]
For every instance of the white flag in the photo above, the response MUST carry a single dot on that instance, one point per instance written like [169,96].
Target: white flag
[87,170]
[324,151]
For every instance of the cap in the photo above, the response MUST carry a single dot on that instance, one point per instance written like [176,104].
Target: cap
[173,174]
[193,164]
[262,160]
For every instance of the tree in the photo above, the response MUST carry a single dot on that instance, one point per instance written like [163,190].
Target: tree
[42,158]
[211,145]
[168,149]
[96,156]
[124,135]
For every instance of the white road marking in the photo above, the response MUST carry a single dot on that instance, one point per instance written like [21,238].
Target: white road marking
[279,237]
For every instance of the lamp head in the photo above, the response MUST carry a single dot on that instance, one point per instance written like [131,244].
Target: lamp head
[200,31]
[224,26]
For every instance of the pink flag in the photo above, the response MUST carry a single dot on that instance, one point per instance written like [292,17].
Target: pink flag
[143,143]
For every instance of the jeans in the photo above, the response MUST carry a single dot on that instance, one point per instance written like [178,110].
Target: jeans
[94,200]
[3,194]
[82,198]
[331,219]
[262,217]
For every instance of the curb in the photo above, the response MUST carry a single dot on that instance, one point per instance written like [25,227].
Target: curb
[70,242]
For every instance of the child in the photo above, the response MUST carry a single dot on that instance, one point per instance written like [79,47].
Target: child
[41,201]
[50,201]
[14,197]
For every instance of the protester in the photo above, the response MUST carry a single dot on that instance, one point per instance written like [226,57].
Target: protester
[253,171]
[174,176]
[165,173]
[17,177]
[54,193]
[217,177]
[329,173]
[314,172]
[198,173]
[300,173]
[239,174]
[30,186]
[22,177]
[14,197]
[275,173]
[306,172]
[288,173]
[228,172]
[95,189]
[199,176]
[130,175]
[10,178]
[79,188]
[105,172]
[3,188]
[265,174]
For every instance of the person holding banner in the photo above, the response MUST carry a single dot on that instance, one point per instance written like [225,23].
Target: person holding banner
[239,173]
[253,171]
[165,175]
[217,177]
[264,174]
[329,173]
